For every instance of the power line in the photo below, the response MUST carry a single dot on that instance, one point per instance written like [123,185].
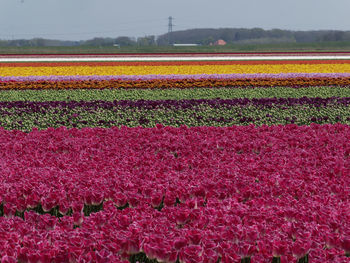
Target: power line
[170,28]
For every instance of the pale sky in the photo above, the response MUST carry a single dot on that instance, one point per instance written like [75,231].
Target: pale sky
[85,19]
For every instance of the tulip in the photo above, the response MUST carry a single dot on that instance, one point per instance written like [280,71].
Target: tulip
[103,256]
[280,248]
[180,242]
[156,199]
[8,259]
[300,249]
[182,217]
[97,198]
[77,207]
[9,210]
[48,204]
[120,200]
[63,207]
[345,244]
[78,218]
[191,254]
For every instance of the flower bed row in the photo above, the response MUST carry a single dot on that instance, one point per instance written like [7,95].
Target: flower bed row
[144,233]
[171,63]
[204,194]
[178,83]
[55,78]
[23,115]
[174,69]
[171,94]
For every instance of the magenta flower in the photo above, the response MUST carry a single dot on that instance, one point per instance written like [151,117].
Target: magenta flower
[180,242]
[300,249]
[8,259]
[156,199]
[78,218]
[9,210]
[345,244]
[182,217]
[63,207]
[191,254]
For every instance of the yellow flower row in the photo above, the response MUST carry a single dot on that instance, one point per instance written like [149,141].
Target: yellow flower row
[166,70]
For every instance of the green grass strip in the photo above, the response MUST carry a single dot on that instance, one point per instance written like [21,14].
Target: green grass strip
[170,94]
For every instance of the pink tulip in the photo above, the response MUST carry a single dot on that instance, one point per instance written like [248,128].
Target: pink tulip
[182,217]
[120,199]
[63,207]
[300,249]
[78,218]
[48,204]
[8,259]
[33,257]
[9,210]
[280,248]
[77,207]
[156,199]
[97,198]
[345,244]
[191,254]
[180,242]
[103,256]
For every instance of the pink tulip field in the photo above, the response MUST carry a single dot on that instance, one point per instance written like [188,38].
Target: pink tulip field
[188,192]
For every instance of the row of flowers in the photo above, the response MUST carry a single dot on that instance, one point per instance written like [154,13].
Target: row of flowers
[174,69]
[172,77]
[23,115]
[178,83]
[179,104]
[195,193]
[170,94]
[185,234]
[171,63]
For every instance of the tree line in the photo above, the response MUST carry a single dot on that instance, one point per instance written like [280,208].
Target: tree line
[203,36]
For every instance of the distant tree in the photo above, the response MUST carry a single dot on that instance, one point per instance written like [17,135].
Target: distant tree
[227,34]
[124,41]
[258,33]
[208,40]
[334,36]
[146,41]
[38,42]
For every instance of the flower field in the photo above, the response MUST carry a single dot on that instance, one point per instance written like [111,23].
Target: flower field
[175,161]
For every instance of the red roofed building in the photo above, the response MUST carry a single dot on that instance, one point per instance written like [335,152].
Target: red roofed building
[220,42]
